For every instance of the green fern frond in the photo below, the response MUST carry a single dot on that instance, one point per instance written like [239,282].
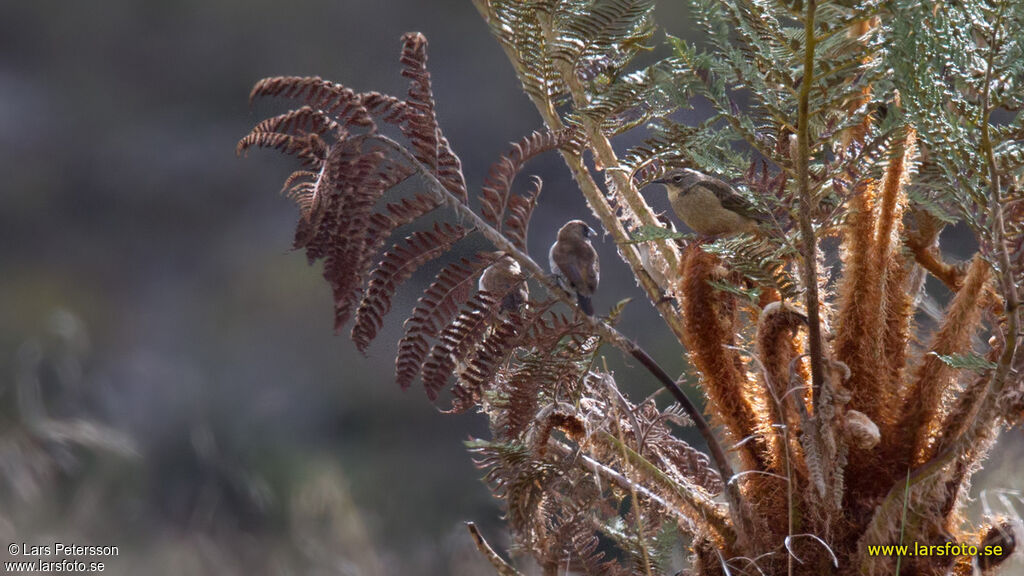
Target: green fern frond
[759,260]
[606,33]
[517,25]
[971,361]
[636,98]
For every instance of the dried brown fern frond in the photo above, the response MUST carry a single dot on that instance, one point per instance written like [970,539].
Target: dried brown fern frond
[489,359]
[933,376]
[439,305]
[429,145]
[349,167]
[520,210]
[496,195]
[575,439]
[460,338]
[710,318]
[299,122]
[339,103]
[348,172]
[396,266]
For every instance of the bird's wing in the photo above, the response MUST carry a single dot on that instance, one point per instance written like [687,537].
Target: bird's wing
[593,271]
[565,263]
[731,199]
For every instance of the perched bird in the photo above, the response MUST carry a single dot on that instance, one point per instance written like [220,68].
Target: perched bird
[573,261]
[505,277]
[708,205]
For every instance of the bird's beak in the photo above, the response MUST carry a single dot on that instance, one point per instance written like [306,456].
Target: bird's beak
[659,181]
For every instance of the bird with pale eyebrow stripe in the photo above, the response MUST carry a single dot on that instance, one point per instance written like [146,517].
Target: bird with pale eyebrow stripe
[708,205]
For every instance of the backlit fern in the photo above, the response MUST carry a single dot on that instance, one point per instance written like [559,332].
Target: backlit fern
[874,124]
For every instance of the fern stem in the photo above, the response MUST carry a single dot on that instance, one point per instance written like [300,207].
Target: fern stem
[1005,271]
[822,399]
[807,235]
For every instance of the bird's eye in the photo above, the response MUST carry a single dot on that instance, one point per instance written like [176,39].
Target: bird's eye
[678,178]
[585,230]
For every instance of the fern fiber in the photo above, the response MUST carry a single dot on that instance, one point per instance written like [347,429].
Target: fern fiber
[933,377]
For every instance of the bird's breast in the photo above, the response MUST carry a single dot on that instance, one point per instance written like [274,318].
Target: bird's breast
[701,210]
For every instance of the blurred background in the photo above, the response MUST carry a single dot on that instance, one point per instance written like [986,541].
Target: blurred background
[169,379]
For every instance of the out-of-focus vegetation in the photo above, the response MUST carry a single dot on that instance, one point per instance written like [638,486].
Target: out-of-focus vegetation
[203,344]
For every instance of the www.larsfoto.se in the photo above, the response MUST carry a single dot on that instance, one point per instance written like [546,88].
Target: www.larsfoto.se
[947,549]
[64,565]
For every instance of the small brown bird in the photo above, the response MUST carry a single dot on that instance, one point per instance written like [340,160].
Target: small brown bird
[708,205]
[573,261]
[505,277]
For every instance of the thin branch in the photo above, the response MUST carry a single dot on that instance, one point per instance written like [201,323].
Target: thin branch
[502,567]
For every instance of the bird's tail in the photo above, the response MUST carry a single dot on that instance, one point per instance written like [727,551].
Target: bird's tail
[585,304]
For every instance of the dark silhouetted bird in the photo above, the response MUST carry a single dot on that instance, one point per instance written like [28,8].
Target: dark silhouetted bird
[708,205]
[573,261]
[505,277]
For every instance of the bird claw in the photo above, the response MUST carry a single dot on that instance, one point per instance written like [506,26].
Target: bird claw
[709,238]
[666,299]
